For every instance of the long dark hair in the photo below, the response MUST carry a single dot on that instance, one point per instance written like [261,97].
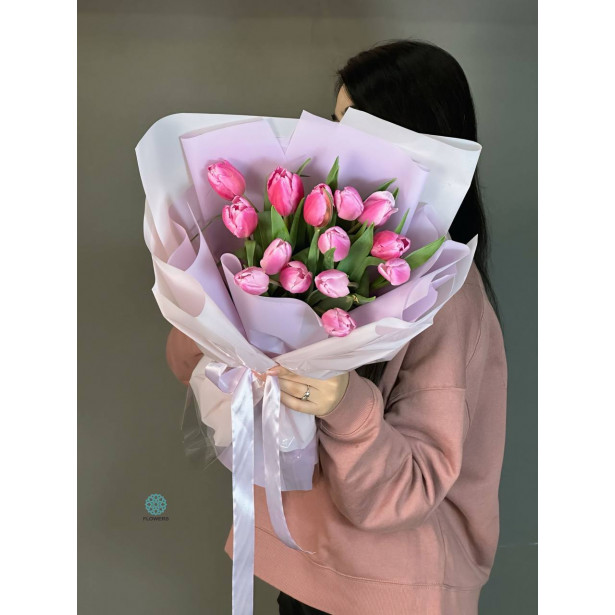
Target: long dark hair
[420,86]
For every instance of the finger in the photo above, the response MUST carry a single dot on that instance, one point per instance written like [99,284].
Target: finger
[293,403]
[282,372]
[294,388]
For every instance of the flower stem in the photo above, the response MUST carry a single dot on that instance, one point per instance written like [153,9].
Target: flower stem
[355,227]
[379,283]
[201,230]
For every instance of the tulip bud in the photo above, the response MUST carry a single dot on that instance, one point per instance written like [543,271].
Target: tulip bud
[388,244]
[252,280]
[335,237]
[318,206]
[378,208]
[240,217]
[337,322]
[276,256]
[395,270]
[285,191]
[332,283]
[226,180]
[348,203]
[295,277]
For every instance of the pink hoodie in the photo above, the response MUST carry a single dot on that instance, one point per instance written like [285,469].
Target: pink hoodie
[403,516]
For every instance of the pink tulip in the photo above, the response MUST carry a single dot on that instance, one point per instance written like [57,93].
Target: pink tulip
[284,190]
[378,208]
[348,203]
[337,322]
[240,217]
[318,206]
[388,244]
[335,237]
[226,180]
[252,280]
[395,270]
[332,283]
[276,256]
[295,277]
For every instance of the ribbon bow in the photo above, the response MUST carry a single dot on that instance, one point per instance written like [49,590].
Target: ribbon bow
[240,382]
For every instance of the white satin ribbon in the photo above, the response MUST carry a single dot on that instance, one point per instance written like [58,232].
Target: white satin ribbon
[241,384]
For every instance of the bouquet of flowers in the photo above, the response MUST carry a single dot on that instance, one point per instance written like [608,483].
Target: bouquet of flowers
[276,240]
[317,248]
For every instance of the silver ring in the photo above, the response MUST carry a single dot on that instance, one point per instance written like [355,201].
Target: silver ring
[306,395]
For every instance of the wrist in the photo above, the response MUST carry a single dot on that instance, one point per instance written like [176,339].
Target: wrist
[343,380]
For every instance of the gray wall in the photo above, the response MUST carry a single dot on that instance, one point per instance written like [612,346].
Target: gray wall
[139,61]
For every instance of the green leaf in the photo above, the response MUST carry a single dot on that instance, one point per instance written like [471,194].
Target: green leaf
[314,252]
[310,232]
[278,226]
[298,171]
[333,221]
[354,264]
[401,224]
[357,230]
[241,254]
[379,282]
[262,233]
[331,180]
[314,297]
[297,220]
[395,193]
[385,185]
[363,288]
[373,261]
[250,246]
[302,256]
[422,255]
[358,299]
[328,262]
[344,303]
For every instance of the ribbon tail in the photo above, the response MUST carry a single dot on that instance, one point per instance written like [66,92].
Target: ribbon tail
[271,453]
[242,410]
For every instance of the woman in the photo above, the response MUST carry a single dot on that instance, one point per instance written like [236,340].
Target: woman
[403,516]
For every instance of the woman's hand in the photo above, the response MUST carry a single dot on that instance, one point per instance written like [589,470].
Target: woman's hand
[324,396]
[182,355]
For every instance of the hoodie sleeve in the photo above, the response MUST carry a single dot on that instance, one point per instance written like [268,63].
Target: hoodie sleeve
[182,355]
[389,472]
